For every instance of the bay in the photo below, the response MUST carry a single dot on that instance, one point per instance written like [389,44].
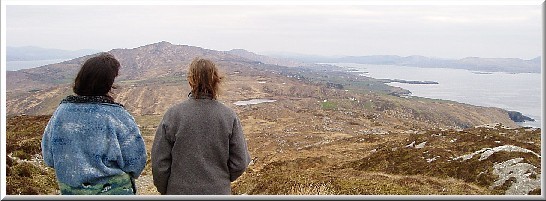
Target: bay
[510,91]
[18,65]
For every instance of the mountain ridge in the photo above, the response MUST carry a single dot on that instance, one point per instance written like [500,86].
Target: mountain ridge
[28,53]
[157,68]
[511,65]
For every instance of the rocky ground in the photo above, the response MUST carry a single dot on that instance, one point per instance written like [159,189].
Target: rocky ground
[303,146]
[336,151]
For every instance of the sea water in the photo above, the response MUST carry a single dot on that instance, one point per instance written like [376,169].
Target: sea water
[18,65]
[510,91]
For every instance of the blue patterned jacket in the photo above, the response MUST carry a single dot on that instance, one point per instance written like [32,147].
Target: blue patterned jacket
[90,139]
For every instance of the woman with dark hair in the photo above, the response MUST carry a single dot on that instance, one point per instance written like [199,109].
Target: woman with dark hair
[92,142]
[199,146]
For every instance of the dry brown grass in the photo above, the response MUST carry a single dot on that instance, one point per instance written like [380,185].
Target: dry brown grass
[297,160]
[25,174]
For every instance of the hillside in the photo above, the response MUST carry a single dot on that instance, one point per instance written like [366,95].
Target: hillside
[333,159]
[327,132]
[145,62]
[152,78]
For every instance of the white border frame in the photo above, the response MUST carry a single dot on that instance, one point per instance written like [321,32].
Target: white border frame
[4,3]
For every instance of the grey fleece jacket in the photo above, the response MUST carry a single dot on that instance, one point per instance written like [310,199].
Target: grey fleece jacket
[199,148]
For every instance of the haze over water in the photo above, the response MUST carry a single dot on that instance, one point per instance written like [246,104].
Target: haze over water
[515,92]
[19,65]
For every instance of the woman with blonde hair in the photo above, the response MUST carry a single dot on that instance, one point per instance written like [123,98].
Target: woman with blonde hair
[199,146]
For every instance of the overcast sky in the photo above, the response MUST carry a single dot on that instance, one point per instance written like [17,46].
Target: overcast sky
[444,31]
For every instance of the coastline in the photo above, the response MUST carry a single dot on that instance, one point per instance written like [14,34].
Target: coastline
[474,93]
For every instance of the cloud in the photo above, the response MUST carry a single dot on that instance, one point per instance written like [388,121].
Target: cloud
[328,30]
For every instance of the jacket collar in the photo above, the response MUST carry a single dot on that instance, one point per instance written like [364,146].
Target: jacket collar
[201,96]
[89,99]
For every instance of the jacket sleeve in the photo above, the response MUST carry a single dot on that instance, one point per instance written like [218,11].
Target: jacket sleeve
[239,158]
[133,150]
[161,158]
[46,145]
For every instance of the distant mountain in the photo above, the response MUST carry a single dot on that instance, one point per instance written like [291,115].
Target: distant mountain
[511,65]
[152,77]
[144,62]
[266,59]
[30,53]
[514,65]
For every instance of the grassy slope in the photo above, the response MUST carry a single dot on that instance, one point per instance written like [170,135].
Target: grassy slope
[376,165]
[25,172]
[369,164]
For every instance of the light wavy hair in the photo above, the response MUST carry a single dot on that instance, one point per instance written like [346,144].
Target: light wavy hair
[204,78]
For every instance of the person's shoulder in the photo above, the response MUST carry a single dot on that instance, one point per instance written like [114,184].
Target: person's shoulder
[116,111]
[177,108]
[179,105]
[113,107]
[226,109]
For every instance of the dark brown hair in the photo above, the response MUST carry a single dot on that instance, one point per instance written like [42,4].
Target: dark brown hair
[96,76]
[204,78]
